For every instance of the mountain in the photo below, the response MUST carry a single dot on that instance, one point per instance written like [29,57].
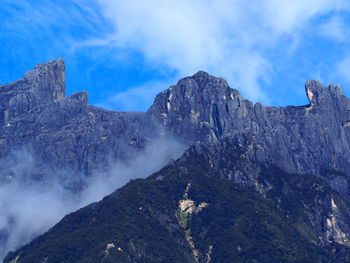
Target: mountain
[191,212]
[63,133]
[257,184]
[67,133]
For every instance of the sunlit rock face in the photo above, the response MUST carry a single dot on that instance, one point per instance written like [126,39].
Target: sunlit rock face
[43,85]
[67,132]
[298,139]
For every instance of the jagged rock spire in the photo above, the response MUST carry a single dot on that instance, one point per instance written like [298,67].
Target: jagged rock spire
[319,94]
[198,109]
[48,80]
[44,84]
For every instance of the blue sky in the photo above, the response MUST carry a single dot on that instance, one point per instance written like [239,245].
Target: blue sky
[125,52]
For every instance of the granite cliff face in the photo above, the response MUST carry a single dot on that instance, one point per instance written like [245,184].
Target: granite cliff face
[298,139]
[295,158]
[67,133]
[64,134]
[43,85]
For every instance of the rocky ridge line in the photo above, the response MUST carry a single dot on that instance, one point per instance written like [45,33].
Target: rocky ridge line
[308,139]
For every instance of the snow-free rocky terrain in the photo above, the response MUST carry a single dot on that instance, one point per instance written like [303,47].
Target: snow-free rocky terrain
[257,183]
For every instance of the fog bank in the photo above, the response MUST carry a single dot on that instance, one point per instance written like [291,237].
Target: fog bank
[29,207]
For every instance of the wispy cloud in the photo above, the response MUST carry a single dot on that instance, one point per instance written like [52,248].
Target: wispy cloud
[33,32]
[30,207]
[243,41]
[229,38]
[336,29]
[57,16]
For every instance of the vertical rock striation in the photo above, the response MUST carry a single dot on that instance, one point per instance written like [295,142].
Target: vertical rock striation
[43,85]
[65,132]
[299,139]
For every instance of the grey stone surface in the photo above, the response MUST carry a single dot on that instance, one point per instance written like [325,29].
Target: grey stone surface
[65,133]
[299,139]
[43,85]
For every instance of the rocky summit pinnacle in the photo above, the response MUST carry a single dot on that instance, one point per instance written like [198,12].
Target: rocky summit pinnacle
[48,80]
[43,85]
[295,138]
[320,95]
[200,108]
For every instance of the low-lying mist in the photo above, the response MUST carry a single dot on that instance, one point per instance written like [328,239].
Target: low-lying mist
[29,207]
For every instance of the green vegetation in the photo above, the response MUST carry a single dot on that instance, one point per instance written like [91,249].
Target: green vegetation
[142,221]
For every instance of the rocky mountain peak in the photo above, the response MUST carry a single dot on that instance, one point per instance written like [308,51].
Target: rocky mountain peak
[202,78]
[296,156]
[47,80]
[204,83]
[203,108]
[319,94]
[43,85]
[196,106]
[199,109]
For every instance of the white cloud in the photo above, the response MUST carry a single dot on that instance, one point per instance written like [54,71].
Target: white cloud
[335,28]
[288,16]
[30,207]
[49,24]
[226,38]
